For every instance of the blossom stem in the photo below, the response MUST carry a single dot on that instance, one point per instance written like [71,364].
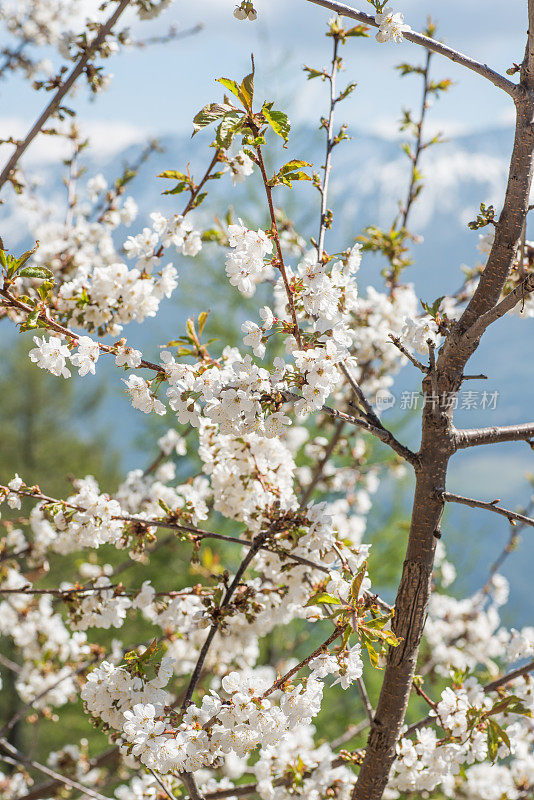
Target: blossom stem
[280,682]
[329,148]
[280,262]
[419,147]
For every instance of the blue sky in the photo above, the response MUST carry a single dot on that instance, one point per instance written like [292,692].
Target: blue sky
[157,90]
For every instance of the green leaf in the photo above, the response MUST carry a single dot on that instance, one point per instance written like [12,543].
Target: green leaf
[357,581]
[358,30]
[210,113]
[190,328]
[433,309]
[173,175]
[247,90]
[346,636]
[348,90]
[32,320]
[291,172]
[495,735]
[315,73]
[3,260]
[510,704]
[231,85]
[202,319]
[277,120]
[298,176]
[373,655]
[323,597]
[178,189]
[291,166]
[230,125]
[212,235]
[199,199]
[36,272]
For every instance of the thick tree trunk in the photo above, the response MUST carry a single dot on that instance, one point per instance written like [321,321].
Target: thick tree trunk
[438,445]
[410,605]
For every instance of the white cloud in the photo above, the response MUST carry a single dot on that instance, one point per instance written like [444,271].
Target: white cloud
[106,138]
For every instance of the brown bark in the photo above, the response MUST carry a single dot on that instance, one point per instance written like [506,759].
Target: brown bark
[411,604]
[439,442]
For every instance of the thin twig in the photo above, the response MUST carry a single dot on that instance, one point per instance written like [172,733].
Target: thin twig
[381,433]
[321,649]
[319,468]
[510,676]
[22,759]
[10,724]
[14,302]
[167,791]
[368,410]
[197,533]
[329,147]
[512,516]
[509,302]
[351,732]
[369,710]
[430,44]
[399,345]
[256,545]
[507,549]
[419,147]
[489,687]
[280,261]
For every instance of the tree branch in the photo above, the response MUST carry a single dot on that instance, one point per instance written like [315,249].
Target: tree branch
[405,352]
[189,782]
[510,676]
[472,437]
[512,516]
[65,87]
[280,262]
[198,533]
[14,302]
[61,779]
[256,545]
[405,212]
[509,302]
[329,147]
[319,468]
[430,44]
[381,433]
[489,687]
[369,710]
[45,790]
[528,72]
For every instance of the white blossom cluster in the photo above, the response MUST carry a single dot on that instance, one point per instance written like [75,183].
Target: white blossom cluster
[45,644]
[245,265]
[96,289]
[429,762]
[87,519]
[266,483]
[40,22]
[110,691]
[391,25]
